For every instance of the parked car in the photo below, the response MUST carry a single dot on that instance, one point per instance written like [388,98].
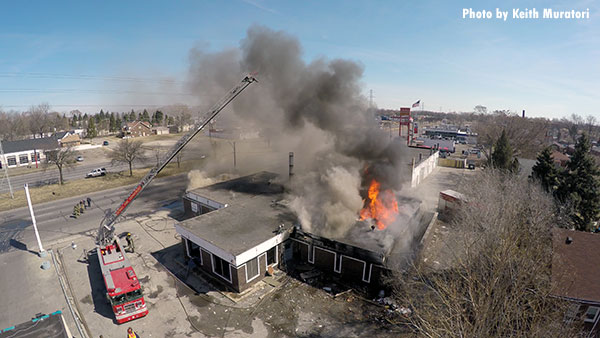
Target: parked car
[96,172]
[79,158]
[105,143]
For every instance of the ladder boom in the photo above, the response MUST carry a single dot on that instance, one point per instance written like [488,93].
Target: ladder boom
[106,231]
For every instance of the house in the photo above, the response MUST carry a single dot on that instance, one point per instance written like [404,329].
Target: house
[160,130]
[137,129]
[238,230]
[560,159]
[174,129]
[24,152]
[68,138]
[576,272]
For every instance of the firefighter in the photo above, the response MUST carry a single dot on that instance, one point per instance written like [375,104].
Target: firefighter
[89,202]
[81,207]
[131,333]
[76,211]
[130,245]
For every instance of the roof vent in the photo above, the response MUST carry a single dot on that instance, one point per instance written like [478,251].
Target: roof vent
[569,240]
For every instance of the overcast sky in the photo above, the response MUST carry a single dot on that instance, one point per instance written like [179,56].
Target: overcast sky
[119,55]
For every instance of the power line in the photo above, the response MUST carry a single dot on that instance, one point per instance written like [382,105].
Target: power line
[79,90]
[85,77]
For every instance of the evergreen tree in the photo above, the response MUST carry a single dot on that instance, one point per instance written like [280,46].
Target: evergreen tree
[131,116]
[545,171]
[157,118]
[502,155]
[580,186]
[145,116]
[118,123]
[171,121]
[166,119]
[91,129]
[112,123]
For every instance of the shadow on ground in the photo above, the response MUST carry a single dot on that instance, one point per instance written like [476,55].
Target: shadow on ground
[172,259]
[101,304]
[9,232]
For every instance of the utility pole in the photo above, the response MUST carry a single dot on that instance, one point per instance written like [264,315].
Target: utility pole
[37,234]
[5,166]
[371,99]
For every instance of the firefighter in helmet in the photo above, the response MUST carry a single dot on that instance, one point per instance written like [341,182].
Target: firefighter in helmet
[131,333]
[130,244]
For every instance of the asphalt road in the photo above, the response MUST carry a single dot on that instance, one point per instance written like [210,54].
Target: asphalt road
[54,219]
[90,162]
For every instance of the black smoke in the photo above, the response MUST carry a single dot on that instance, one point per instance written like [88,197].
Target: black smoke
[315,109]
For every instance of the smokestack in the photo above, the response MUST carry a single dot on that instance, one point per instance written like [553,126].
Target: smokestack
[523,113]
[291,171]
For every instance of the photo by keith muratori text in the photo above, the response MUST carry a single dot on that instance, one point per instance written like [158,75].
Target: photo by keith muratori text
[525,13]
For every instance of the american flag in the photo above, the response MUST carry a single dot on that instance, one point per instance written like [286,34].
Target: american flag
[416,104]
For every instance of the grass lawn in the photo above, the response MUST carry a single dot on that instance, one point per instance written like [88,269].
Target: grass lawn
[85,186]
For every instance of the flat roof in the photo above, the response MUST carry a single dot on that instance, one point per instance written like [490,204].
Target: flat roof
[50,326]
[254,209]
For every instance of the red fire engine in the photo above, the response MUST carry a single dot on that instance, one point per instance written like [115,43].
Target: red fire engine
[124,289]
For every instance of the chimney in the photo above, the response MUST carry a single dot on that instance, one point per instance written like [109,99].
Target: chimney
[291,171]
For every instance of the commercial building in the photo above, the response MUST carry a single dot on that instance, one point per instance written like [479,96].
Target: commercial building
[26,152]
[239,229]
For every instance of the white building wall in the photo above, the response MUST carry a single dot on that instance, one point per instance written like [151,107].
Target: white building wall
[423,169]
[21,155]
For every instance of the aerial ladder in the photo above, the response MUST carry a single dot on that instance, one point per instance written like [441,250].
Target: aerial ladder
[107,227]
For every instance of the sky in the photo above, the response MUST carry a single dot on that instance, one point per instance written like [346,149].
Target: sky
[122,55]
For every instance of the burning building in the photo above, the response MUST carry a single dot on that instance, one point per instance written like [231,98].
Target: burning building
[243,227]
[343,200]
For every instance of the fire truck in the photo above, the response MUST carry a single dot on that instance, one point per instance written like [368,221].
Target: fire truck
[123,288]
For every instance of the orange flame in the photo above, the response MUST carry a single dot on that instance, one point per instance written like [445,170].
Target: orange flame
[381,206]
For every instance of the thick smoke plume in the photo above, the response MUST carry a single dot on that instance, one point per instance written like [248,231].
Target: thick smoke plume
[314,109]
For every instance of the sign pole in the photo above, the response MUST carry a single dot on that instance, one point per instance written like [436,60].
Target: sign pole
[37,234]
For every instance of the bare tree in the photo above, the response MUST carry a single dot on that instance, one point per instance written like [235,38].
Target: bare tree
[479,109]
[128,151]
[526,135]
[178,158]
[62,158]
[183,118]
[498,282]
[39,119]
[591,123]
[157,153]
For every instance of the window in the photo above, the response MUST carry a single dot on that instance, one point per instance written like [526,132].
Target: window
[251,269]
[194,250]
[272,256]
[11,160]
[24,159]
[221,268]
[591,314]
[33,156]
